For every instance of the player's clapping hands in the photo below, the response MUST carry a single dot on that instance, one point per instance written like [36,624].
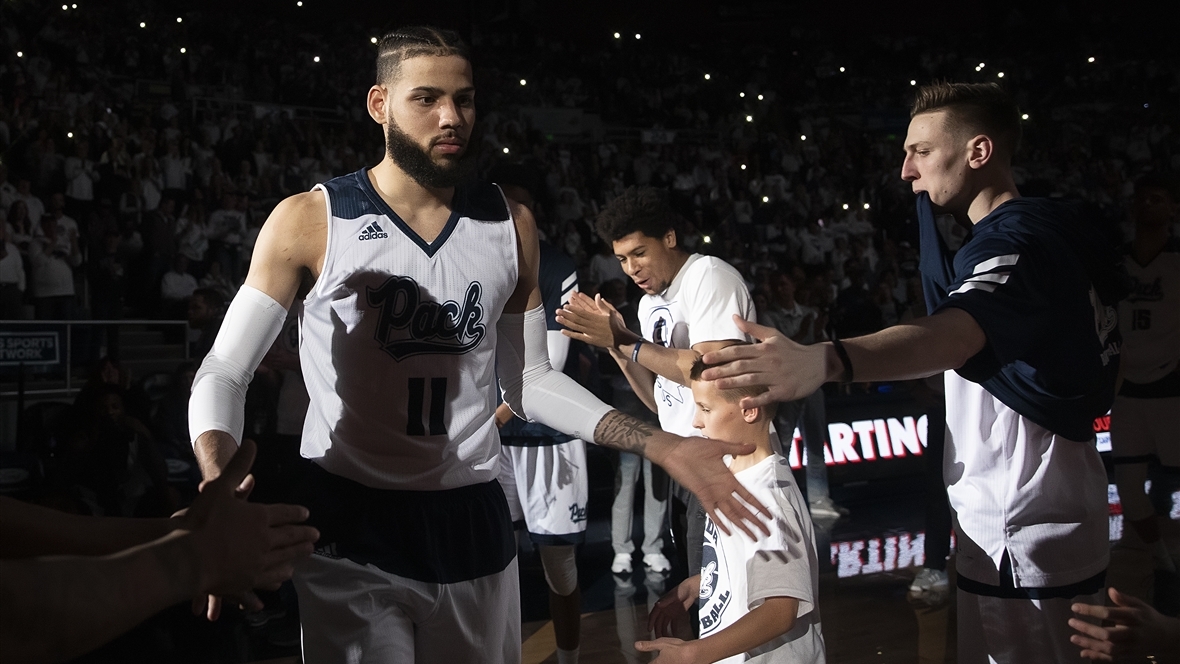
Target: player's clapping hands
[594,321]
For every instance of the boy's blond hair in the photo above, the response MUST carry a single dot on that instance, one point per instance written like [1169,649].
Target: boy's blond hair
[733,394]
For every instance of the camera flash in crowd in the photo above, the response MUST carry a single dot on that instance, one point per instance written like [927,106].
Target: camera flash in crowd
[638,36]
[913,82]
[523,82]
[803,137]
[316,59]
[866,206]
[505,150]
[707,77]
[1091,59]
[749,118]
[617,35]
[183,49]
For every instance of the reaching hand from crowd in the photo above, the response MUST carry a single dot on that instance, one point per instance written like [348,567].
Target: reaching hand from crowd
[1129,628]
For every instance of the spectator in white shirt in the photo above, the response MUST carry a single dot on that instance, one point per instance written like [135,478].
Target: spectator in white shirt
[12,278]
[175,288]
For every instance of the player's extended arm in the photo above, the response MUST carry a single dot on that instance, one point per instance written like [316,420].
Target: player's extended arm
[536,392]
[773,617]
[28,530]
[290,244]
[222,544]
[920,348]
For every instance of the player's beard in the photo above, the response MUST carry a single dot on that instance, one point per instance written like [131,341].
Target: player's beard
[418,164]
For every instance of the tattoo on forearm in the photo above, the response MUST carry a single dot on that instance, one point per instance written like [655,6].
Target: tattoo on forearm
[623,432]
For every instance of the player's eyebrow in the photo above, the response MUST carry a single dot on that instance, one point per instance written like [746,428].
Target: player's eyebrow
[917,144]
[439,92]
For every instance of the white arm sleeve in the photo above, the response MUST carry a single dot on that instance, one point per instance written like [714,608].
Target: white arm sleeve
[218,398]
[559,348]
[532,388]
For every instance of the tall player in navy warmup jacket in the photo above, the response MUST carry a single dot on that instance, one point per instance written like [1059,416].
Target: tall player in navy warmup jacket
[1024,323]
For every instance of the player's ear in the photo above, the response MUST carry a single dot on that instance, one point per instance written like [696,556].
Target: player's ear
[375,103]
[670,239]
[980,150]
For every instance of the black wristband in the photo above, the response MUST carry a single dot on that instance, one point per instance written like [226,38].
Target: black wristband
[845,377]
[635,351]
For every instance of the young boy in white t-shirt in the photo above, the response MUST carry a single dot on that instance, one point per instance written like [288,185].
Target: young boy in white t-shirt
[757,598]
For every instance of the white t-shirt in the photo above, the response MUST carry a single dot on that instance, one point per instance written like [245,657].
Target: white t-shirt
[737,575]
[698,306]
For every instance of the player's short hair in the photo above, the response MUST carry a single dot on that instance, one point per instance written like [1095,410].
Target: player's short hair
[979,108]
[643,209]
[414,41]
[733,394]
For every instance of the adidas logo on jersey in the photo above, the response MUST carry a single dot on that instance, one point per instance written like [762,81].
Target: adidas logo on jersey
[372,232]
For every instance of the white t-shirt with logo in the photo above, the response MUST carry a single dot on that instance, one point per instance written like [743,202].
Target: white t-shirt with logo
[737,574]
[698,306]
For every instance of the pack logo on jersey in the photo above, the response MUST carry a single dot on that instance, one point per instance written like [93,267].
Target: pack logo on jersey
[409,324]
[1147,292]
[372,232]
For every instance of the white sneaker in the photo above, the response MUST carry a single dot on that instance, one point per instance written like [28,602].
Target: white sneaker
[656,562]
[824,508]
[622,563]
[928,580]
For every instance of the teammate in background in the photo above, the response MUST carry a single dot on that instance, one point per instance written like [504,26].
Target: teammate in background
[655,480]
[757,599]
[543,471]
[1024,315]
[1146,413]
[805,325]
[420,290]
[687,309]
[69,583]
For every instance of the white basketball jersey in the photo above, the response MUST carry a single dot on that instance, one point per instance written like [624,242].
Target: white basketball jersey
[1149,317]
[399,338]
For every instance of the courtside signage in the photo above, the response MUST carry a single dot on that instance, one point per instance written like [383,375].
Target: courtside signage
[29,348]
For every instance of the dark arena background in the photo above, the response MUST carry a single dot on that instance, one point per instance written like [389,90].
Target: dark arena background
[777,128]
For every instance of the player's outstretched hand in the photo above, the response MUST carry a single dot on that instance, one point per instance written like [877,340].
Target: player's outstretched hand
[697,464]
[788,370]
[672,609]
[670,651]
[242,545]
[1137,629]
[594,321]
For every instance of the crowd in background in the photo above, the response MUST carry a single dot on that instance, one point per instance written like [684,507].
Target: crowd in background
[135,173]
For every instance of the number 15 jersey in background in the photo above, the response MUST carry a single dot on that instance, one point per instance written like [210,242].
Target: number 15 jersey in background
[398,340]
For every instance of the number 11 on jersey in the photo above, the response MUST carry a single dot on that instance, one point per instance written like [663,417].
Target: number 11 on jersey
[416,411]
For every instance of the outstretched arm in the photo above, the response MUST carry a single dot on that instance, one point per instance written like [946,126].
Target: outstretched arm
[535,392]
[1134,628]
[28,530]
[222,544]
[290,246]
[921,348]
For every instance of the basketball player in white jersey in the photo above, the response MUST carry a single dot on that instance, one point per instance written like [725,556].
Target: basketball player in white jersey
[1146,413]
[417,292]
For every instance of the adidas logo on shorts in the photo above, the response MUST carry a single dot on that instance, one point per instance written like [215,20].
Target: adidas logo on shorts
[372,232]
